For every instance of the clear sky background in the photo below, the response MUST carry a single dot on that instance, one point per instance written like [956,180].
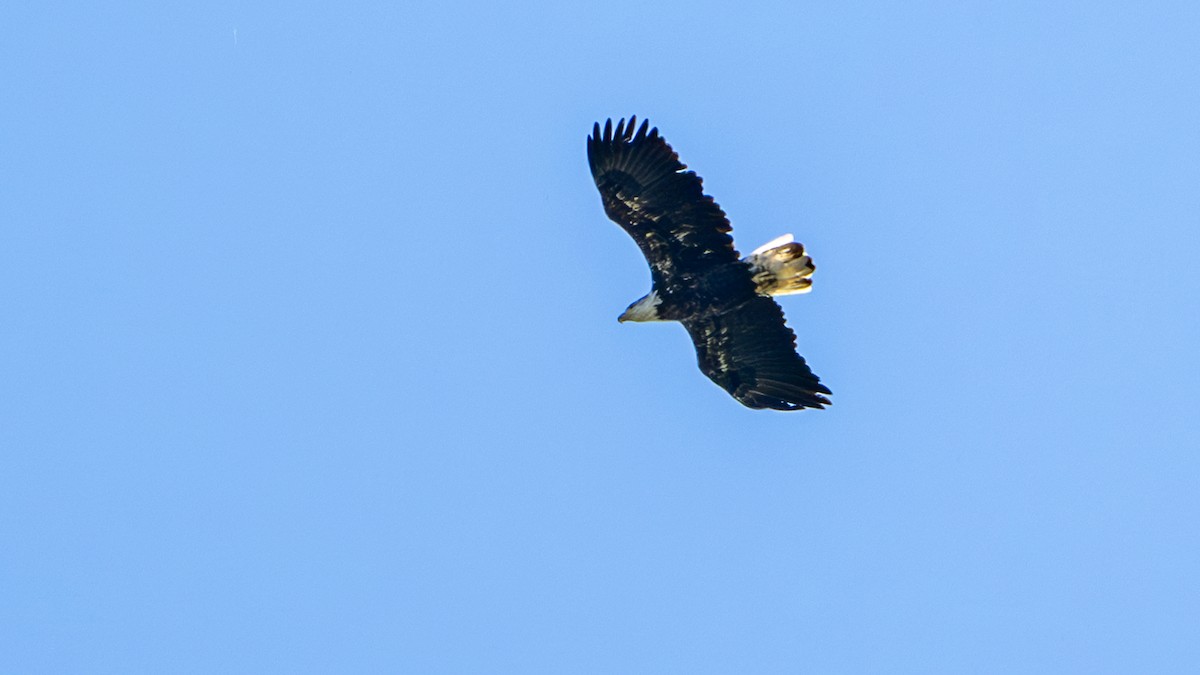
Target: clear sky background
[310,356]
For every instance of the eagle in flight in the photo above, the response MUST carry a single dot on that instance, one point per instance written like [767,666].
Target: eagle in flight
[699,279]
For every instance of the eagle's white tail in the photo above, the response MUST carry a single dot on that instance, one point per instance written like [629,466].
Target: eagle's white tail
[780,267]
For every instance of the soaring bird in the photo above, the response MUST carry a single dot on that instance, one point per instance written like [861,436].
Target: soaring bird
[699,279]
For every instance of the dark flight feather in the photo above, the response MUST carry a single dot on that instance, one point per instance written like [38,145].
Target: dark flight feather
[742,341]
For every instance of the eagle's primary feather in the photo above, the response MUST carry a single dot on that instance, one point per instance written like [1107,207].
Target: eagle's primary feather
[742,342]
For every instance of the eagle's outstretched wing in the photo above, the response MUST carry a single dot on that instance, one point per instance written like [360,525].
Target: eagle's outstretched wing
[651,194]
[751,353]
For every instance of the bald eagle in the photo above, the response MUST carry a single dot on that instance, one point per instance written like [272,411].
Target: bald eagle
[723,300]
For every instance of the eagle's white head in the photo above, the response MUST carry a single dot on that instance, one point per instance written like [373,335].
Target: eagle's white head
[645,309]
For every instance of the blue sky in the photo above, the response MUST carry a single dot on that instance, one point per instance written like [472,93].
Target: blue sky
[311,363]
